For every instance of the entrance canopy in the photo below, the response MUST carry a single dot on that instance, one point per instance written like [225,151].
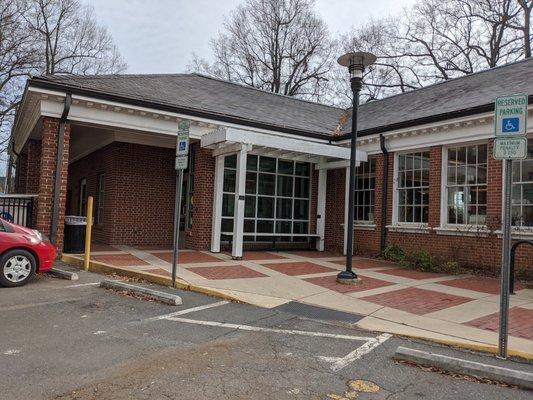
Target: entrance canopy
[320,152]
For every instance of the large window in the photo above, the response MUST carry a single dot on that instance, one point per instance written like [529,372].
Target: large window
[365,185]
[523,190]
[277,197]
[466,187]
[413,187]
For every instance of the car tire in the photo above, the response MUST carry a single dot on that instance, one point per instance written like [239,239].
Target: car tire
[17,267]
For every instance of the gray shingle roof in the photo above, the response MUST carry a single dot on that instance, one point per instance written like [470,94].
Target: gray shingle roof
[197,93]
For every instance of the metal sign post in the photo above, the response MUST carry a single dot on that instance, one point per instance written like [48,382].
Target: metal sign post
[510,123]
[182,157]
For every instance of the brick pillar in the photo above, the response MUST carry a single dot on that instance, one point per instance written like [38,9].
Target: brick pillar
[494,190]
[435,168]
[199,236]
[334,233]
[34,166]
[50,127]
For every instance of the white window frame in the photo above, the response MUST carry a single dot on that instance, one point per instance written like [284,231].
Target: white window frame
[395,194]
[515,228]
[366,222]
[444,188]
[274,196]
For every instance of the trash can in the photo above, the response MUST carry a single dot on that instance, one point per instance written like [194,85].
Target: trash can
[74,242]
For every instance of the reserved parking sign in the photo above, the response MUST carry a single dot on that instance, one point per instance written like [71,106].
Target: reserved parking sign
[510,117]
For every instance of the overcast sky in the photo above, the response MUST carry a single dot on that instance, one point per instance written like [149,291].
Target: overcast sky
[160,35]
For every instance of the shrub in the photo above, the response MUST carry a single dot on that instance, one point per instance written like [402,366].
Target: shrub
[394,253]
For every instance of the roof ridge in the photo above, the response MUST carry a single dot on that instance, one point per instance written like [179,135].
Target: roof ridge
[476,73]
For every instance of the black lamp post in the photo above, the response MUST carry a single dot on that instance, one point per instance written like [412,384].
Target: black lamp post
[356,63]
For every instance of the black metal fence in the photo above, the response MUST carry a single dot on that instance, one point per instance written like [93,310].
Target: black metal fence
[17,209]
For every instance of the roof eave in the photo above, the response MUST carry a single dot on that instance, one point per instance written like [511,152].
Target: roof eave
[43,83]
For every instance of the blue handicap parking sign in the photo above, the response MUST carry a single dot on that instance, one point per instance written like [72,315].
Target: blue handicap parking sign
[182,146]
[510,124]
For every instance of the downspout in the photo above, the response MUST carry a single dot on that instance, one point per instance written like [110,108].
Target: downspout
[59,167]
[384,190]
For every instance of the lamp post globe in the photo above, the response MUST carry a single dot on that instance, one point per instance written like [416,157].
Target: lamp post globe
[356,63]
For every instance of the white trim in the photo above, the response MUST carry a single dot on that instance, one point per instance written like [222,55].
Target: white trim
[231,149]
[321,208]
[229,136]
[238,218]
[217,205]
[518,233]
[463,230]
[409,228]
[365,227]
[336,164]
[395,189]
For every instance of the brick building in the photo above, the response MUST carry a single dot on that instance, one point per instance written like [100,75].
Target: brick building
[264,165]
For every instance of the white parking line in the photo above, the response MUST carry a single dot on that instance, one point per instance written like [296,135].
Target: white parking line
[273,330]
[82,284]
[341,362]
[186,311]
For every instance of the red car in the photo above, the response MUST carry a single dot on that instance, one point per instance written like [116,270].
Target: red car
[23,252]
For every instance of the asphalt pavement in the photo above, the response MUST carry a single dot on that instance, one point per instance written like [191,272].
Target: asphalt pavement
[64,339]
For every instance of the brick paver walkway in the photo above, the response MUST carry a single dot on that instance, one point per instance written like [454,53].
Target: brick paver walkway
[417,301]
[429,302]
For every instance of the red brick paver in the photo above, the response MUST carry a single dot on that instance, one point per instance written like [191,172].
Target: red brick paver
[478,284]
[260,255]
[315,254]
[330,282]
[119,260]
[188,257]
[298,268]
[226,272]
[417,301]
[364,263]
[520,322]
[102,247]
[411,274]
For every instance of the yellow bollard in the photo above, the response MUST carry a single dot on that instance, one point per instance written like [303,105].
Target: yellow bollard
[88,230]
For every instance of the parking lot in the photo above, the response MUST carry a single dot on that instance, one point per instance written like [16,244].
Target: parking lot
[73,340]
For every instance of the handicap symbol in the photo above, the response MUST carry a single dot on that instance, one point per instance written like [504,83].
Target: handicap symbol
[510,124]
[183,146]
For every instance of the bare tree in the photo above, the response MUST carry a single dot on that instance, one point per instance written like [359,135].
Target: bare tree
[70,41]
[16,61]
[522,23]
[278,45]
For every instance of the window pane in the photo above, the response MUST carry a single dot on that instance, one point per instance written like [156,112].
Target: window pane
[301,209]
[300,227]
[283,227]
[230,161]
[527,170]
[284,208]
[301,187]
[251,163]
[251,183]
[227,225]
[249,206]
[527,193]
[265,207]
[267,164]
[228,205]
[482,173]
[527,216]
[249,225]
[229,180]
[285,186]
[285,167]
[266,184]
[265,226]
[302,169]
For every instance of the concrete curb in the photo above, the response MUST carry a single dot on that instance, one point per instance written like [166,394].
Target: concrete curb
[167,298]
[99,267]
[466,367]
[60,273]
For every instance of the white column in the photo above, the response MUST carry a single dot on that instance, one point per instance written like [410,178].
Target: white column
[346,195]
[238,220]
[321,208]
[217,205]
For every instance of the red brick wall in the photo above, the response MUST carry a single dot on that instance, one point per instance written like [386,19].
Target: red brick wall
[50,128]
[479,251]
[139,193]
[199,236]
[34,164]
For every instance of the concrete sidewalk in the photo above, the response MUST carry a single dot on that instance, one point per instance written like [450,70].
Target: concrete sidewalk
[459,310]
